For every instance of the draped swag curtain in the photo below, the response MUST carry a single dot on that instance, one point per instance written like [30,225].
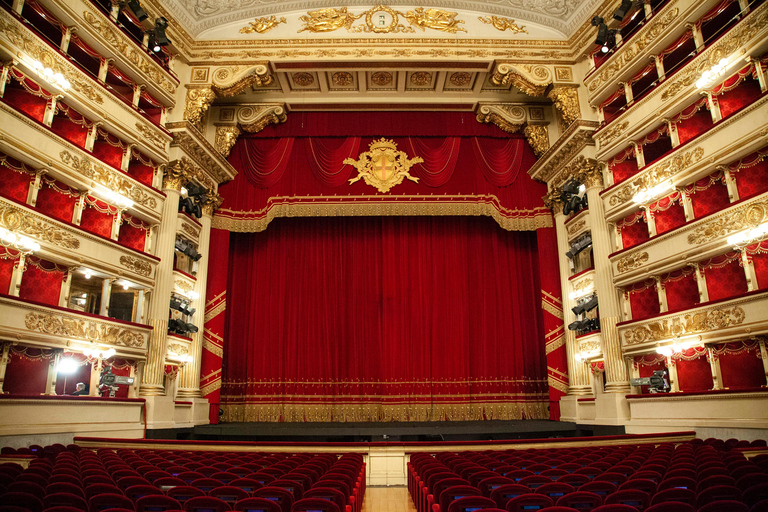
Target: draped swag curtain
[297,170]
[384,319]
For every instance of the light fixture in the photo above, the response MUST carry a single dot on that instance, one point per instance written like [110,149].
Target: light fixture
[119,200]
[55,79]
[585,305]
[125,285]
[87,274]
[21,243]
[157,37]
[67,366]
[137,10]
[620,13]
[99,353]
[579,245]
[749,236]
[709,77]
[653,193]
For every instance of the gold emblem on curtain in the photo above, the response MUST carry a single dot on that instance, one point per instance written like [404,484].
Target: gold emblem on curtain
[383,166]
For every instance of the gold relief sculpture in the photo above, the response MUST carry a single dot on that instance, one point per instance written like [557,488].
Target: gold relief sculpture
[193,147]
[583,284]
[262,25]
[744,217]
[503,24]
[183,286]
[586,171]
[191,231]
[508,117]
[303,79]
[383,166]
[537,136]
[686,79]
[199,75]
[136,265]
[381,78]
[178,349]
[532,80]
[150,135]
[226,136]
[421,78]
[328,20]
[259,76]
[575,227]
[178,173]
[47,57]
[198,101]
[253,119]
[436,19]
[382,20]
[566,100]
[631,262]
[606,136]
[590,346]
[130,51]
[460,79]
[211,203]
[684,325]
[553,200]
[110,179]
[16,220]
[71,327]
[566,152]
[656,175]
[342,78]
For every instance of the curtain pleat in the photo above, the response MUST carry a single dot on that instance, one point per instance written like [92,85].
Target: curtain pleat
[439,162]
[327,164]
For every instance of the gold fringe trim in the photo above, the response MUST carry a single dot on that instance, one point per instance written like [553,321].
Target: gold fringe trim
[212,347]
[292,412]
[555,344]
[211,387]
[378,206]
[558,384]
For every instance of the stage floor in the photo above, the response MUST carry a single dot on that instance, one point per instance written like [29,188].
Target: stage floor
[387,499]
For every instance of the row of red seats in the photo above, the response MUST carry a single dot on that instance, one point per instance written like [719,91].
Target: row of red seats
[691,475]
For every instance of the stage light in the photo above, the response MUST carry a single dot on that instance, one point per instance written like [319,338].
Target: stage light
[67,366]
[572,187]
[137,10]
[574,204]
[196,190]
[160,38]
[620,13]
[191,327]
[585,305]
[579,245]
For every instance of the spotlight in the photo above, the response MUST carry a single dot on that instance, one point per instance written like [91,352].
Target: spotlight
[584,325]
[194,190]
[67,366]
[579,245]
[572,187]
[176,304]
[135,7]
[190,328]
[152,43]
[623,10]
[584,306]
[160,38]
[574,204]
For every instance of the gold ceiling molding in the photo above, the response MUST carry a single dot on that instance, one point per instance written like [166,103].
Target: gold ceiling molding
[262,25]
[631,262]
[17,220]
[380,20]
[128,49]
[503,24]
[141,267]
[509,117]
[538,137]
[706,320]
[197,102]
[532,79]
[566,101]
[49,58]
[226,136]
[626,53]
[110,179]
[232,80]
[743,217]
[93,332]
[383,166]
[652,177]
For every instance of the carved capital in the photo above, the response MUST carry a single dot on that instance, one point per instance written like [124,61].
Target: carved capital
[537,137]
[566,100]
[211,203]
[198,101]
[554,201]
[178,173]
[226,136]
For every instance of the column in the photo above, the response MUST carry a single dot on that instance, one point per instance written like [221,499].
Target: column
[701,282]
[659,66]
[92,135]
[66,38]
[93,386]
[77,212]
[140,305]
[749,270]
[117,220]
[730,183]
[65,287]
[106,293]
[674,386]
[714,366]
[17,276]
[104,69]
[188,385]
[616,374]
[53,372]
[137,89]
[34,188]
[578,373]
[176,175]
[650,221]
[763,354]
[685,199]
[4,363]
[662,292]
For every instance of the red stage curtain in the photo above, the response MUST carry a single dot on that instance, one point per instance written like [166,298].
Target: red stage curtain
[741,365]
[643,300]
[439,162]
[648,364]
[27,371]
[15,178]
[758,253]
[681,289]
[751,174]
[57,199]
[725,276]
[633,229]
[693,370]
[42,281]
[668,213]
[499,159]
[8,258]
[66,384]
[708,195]
[385,318]
[98,217]
[263,162]
[328,165]
[133,233]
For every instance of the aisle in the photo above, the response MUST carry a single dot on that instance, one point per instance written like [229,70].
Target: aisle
[387,499]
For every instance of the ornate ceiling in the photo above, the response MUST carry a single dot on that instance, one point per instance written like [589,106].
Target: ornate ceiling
[555,19]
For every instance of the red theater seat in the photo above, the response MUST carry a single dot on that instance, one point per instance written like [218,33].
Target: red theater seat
[470,503]
[314,504]
[106,501]
[229,493]
[615,508]
[257,505]
[555,490]
[631,497]
[502,494]
[599,488]
[580,500]
[206,504]
[23,499]
[183,493]
[281,496]
[574,480]
[671,506]
[724,506]
[674,495]
[157,503]
[65,499]
[717,493]
[527,502]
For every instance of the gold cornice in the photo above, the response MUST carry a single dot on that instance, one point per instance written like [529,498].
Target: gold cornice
[571,142]
[188,138]
[510,117]
[233,80]
[254,118]
[532,80]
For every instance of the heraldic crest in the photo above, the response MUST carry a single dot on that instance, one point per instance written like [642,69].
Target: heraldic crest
[383,166]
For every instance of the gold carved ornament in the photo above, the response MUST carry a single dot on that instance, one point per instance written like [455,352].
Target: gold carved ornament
[198,101]
[606,136]
[177,173]
[259,76]
[575,227]
[178,349]
[566,100]
[509,118]
[503,24]
[744,217]
[18,221]
[136,265]
[383,166]
[632,262]
[381,20]
[554,201]
[150,135]
[183,286]
[226,136]
[95,332]
[703,321]
[110,179]
[262,25]
[538,137]
[211,203]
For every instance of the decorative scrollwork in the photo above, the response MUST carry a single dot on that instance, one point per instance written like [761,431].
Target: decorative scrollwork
[383,166]
[538,137]
[744,217]
[692,323]
[226,136]
[141,267]
[503,24]
[71,327]
[15,219]
[198,101]
[566,100]
[262,25]
[631,262]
